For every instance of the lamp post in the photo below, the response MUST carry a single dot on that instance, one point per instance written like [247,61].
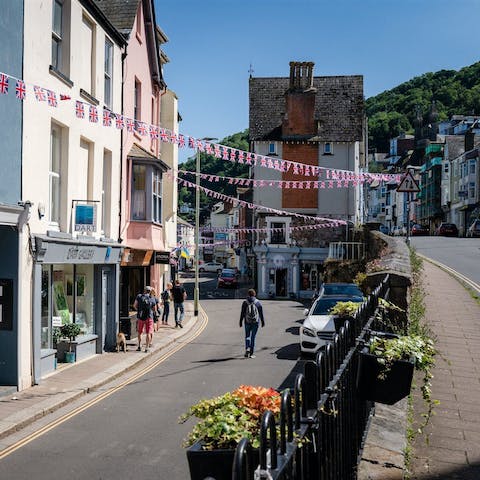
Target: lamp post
[196,291]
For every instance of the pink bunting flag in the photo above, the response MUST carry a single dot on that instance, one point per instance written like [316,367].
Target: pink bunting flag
[224,153]
[218,153]
[172,138]
[240,156]
[248,158]
[233,155]
[208,148]
[191,142]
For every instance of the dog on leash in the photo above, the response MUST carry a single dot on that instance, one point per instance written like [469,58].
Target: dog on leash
[121,342]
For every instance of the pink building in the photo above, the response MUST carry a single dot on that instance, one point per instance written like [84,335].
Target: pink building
[145,258]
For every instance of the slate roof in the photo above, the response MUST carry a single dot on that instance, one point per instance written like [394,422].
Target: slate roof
[120,12]
[140,153]
[339,108]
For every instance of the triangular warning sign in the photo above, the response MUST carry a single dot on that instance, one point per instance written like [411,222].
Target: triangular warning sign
[408,184]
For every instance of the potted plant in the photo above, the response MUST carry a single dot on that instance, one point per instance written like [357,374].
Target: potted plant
[224,421]
[386,365]
[342,312]
[70,331]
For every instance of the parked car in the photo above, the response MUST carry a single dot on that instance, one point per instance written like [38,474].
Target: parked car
[227,278]
[398,231]
[447,230]
[418,230]
[343,289]
[383,229]
[210,267]
[474,229]
[318,328]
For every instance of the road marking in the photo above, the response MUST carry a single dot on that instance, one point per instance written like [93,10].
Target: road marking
[456,274]
[25,441]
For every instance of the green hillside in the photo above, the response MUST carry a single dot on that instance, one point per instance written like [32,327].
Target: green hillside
[393,111]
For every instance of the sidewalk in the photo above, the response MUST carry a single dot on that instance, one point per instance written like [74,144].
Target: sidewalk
[71,381]
[453,447]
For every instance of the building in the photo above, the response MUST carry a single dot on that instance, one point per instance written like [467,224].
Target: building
[142,225]
[318,121]
[70,264]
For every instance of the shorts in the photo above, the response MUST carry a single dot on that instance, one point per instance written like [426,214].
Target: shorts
[148,324]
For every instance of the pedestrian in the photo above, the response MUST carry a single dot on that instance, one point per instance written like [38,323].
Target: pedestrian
[155,311]
[166,297]
[252,315]
[144,305]
[179,295]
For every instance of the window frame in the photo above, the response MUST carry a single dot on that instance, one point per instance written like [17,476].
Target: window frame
[286,221]
[137,100]
[55,172]
[272,148]
[328,148]
[153,200]
[108,73]
[58,37]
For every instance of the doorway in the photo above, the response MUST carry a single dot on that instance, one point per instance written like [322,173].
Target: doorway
[281,282]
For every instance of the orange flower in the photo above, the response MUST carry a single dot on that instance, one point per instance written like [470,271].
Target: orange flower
[256,400]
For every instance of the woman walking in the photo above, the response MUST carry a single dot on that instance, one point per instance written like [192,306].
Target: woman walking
[166,297]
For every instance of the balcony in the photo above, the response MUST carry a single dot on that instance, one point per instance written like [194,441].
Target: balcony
[433,148]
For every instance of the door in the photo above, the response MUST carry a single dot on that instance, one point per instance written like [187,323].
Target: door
[105,308]
[281,282]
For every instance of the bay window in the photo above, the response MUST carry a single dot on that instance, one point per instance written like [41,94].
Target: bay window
[146,193]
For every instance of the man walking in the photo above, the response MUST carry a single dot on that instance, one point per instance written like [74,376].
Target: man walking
[144,305]
[252,315]
[179,295]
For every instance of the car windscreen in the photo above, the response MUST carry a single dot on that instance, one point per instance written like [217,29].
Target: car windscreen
[342,290]
[227,275]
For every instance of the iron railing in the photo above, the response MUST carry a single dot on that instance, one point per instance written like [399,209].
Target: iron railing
[321,434]
[346,251]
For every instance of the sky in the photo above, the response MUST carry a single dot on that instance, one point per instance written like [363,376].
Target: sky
[215,44]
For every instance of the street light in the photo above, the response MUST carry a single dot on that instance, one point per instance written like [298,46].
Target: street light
[196,291]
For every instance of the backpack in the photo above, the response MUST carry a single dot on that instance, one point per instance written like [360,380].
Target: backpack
[252,315]
[144,306]
[165,296]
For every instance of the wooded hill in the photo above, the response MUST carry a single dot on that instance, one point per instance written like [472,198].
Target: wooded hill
[394,111]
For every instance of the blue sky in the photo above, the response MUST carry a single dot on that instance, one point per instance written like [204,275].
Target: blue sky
[213,42]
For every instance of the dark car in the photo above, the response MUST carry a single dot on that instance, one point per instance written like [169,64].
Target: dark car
[447,230]
[474,229]
[418,230]
[227,278]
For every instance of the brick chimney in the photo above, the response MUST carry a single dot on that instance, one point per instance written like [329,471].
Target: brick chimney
[299,116]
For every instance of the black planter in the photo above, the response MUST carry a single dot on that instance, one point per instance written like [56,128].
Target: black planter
[393,385]
[214,463]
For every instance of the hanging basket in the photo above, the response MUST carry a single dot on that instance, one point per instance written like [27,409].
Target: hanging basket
[380,384]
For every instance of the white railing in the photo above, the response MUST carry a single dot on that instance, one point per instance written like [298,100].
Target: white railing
[346,251]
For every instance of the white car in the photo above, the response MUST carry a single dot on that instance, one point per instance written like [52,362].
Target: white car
[210,267]
[318,328]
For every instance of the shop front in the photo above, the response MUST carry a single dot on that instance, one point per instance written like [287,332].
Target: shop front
[74,282]
[289,272]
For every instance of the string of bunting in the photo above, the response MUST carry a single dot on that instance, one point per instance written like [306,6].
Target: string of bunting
[94,114]
[260,230]
[326,222]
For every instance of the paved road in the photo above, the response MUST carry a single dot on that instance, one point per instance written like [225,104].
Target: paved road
[461,254]
[134,433]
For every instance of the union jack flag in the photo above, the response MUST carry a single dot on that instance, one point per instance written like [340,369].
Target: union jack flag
[141,128]
[93,114]
[65,97]
[107,119]
[130,125]
[191,142]
[119,122]
[52,98]
[20,90]
[263,161]
[233,155]
[181,140]
[225,153]
[208,148]
[200,145]
[240,156]
[173,137]
[153,132]
[248,158]
[3,83]
[79,109]
[39,93]
[218,154]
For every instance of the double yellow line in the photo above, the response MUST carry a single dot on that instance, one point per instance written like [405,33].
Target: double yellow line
[24,441]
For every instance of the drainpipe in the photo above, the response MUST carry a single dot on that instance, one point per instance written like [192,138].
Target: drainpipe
[124,56]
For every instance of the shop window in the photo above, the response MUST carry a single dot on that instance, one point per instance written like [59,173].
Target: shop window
[46,335]
[311,276]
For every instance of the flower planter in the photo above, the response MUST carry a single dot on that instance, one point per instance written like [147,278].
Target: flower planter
[69,357]
[216,464]
[375,384]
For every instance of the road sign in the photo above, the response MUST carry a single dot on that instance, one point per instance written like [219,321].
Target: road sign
[408,184]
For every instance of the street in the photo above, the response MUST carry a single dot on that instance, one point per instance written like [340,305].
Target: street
[134,433]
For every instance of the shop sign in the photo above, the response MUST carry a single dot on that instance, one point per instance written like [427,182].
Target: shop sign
[85,218]
[162,257]
[221,236]
[56,321]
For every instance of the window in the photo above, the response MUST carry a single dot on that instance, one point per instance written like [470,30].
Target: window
[54,173]
[157,197]
[272,148]
[471,190]
[108,72]
[139,193]
[57,34]
[147,193]
[86,56]
[107,193]
[277,234]
[137,99]
[471,166]
[327,148]
[446,167]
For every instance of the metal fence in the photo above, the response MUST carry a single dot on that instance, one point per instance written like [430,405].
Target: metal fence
[346,251]
[320,435]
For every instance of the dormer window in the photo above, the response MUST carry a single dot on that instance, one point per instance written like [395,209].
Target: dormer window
[327,148]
